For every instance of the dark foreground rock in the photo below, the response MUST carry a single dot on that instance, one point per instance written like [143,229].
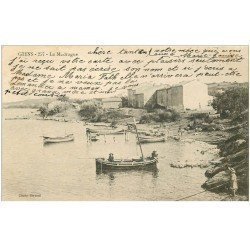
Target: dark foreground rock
[234,153]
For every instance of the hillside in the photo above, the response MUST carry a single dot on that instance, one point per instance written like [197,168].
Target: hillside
[31,103]
[214,88]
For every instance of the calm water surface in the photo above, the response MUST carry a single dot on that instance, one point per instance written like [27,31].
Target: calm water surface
[66,171]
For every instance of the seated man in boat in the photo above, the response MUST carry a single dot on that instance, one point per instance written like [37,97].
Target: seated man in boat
[111,157]
[154,154]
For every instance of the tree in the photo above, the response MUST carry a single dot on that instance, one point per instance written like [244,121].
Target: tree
[63,98]
[124,102]
[88,110]
[231,102]
[43,111]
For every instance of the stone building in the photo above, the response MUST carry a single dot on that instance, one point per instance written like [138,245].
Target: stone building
[138,100]
[187,95]
[131,97]
[139,97]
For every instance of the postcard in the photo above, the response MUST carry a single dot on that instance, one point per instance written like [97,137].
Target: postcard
[129,123]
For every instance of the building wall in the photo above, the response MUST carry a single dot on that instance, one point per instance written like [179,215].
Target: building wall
[131,97]
[152,101]
[192,95]
[169,98]
[162,97]
[139,101]
[175,97]
[195,95]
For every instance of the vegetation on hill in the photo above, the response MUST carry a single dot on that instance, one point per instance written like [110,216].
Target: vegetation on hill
[54,108]
[26,104]
[124,102]
[95,113]
[232,104]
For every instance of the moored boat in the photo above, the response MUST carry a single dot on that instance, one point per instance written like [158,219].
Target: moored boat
[105,131]
[103,165]
[57,139]
[94,137]
[148,133]
[101,124]
[151,139]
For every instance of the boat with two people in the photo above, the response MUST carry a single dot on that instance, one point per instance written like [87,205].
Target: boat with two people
[142,163]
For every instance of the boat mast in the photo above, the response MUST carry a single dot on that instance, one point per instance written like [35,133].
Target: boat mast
[138,140]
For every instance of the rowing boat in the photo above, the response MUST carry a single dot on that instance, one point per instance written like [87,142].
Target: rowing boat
[103,165]
[105,131]
[57,139]
[94,137]
[151,139]
[148,133]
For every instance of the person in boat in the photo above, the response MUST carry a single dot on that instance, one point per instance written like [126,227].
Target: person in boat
[154,154]
[88,134]
[111,157]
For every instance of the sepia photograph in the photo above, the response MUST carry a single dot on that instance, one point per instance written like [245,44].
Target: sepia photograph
[128,123]
[124,125]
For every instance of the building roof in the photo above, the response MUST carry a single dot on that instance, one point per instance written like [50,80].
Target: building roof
[165,88]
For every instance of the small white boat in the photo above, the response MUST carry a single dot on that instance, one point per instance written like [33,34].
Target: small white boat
[57,139]
[105,131]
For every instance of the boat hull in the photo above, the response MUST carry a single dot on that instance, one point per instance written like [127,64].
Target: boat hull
[103,165]
[58,139]
[106,131]
[151,140]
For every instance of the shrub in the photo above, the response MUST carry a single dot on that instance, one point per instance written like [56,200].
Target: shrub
[43,111]
[200,116]
[63,99]
[96,113]
[231,102]
[53,108]
[89,111]
[160,116]
[147,118]
[57,107]
[114,114]
[175,115]
[124,102]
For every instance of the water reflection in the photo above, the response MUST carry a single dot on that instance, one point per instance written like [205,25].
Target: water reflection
[56,143]
[112,175]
